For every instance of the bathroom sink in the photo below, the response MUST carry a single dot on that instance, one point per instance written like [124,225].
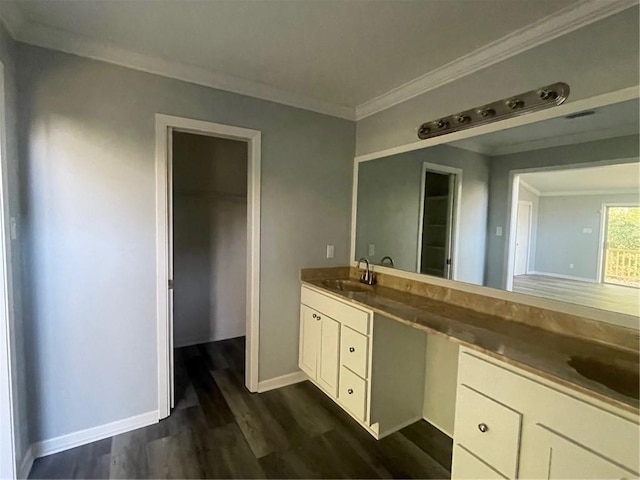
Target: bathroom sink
[347,285]
[620,376]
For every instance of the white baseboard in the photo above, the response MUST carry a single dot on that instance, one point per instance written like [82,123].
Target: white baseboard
[82,437]
[566,277]
[282,381]
[26,464]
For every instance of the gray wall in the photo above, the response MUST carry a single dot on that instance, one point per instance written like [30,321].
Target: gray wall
[560,237]
[8,57]
[597,152]
[389,207]
[209,238]
[88,143]
[599,58]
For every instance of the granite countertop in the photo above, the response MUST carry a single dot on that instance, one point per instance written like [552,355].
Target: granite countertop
[534,349]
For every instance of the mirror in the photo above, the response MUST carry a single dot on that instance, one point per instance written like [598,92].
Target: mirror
[550,209]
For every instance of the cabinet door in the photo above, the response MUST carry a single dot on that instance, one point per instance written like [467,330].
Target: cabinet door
[559,457]
[329,357]
[467,465]
[309,340]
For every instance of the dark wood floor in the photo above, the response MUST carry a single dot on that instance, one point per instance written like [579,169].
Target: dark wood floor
[220,430]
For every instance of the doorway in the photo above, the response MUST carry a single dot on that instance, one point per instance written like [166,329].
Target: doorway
[440,194]
[168,129]
[620,245]
[523,236]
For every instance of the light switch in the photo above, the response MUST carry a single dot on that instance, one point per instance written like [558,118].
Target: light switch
[372,249]
[571,265]
[587,230]
[498,231]
[330,251]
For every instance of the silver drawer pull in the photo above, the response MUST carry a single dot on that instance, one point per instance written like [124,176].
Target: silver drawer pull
[483,427]
[351,349]
[350,391]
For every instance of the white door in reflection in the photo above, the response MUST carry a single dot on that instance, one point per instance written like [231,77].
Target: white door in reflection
[523,233]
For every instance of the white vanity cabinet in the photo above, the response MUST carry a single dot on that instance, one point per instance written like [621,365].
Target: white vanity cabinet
[371,366]
[513,424]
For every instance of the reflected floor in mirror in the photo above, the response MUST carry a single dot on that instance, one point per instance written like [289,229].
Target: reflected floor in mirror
[616,298]
[220,430]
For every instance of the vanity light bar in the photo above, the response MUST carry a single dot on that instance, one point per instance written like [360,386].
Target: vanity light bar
[522,104]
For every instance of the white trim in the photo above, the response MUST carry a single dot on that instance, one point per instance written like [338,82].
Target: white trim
[26,464]
[8,402]
[48,37]
[281,381]
[165,124]
[565,277]
[537,33]
[82,437]
[529,187]
[354,212]
[610,98]
[458,172]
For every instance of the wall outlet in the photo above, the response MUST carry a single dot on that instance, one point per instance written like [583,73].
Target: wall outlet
[372,249]
[571,265]
[587,230]
[13,226]
[330,251]
[498,231]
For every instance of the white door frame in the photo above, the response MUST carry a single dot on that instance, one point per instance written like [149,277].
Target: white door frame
[8,467]
[515,237]
[165,125]
[455,215]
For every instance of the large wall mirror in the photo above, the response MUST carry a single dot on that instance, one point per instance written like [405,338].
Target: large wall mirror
[550,209]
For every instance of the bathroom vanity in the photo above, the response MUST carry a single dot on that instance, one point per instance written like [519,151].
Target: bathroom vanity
[530,403]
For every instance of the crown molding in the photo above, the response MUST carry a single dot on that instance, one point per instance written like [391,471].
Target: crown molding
[11,17]
[577,193]
[44,36]
[529,187]
[544,30]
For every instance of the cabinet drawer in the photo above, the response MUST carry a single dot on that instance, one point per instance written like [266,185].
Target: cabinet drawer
[353,317]
[467,465]
[498,445]
[354,351]
[353,393]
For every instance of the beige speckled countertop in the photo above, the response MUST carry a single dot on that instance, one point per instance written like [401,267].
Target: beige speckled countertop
[532,348]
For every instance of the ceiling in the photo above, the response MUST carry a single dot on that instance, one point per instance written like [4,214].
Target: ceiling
[623,178]
[331,55]
[615,120]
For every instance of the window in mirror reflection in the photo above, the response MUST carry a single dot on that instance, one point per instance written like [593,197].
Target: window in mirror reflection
[577,236]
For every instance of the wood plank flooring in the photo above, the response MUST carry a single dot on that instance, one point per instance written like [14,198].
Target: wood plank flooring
[615,298]
[220,430]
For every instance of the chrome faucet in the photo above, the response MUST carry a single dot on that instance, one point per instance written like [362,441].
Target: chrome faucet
[367,276]
[390,261]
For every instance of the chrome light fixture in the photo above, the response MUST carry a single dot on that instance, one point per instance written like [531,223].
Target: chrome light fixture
[532,101]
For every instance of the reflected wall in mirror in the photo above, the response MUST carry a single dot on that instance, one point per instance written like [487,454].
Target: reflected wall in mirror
[549,209]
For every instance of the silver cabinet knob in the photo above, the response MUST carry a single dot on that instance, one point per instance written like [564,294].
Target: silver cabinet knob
[350,391]
[483,427]
[351,349]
